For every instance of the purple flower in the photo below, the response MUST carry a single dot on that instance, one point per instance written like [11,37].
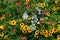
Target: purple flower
[18,10]
[39,11]
[9,0]
[34,17]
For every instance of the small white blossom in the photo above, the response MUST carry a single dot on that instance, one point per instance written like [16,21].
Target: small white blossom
[25,15]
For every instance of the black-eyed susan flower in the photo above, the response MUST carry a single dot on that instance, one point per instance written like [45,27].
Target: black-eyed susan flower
[39,4]
[0,10]
[2,18]
[10,22]
[29,30]
[58,25]
[20,20]
[2,34]
[41,32]
[36,36]
[47,13]
[37,32]
[28,0]
[58,36]
[42,5]
[56,1]
[13,22]
[32,5]
[51,31]
[22,24]
[1,26]
[50,34]
[25,27]
[9,14]
[58,8]
[29,18]
[46,35]
[54,8]
[24,31]
[6,37]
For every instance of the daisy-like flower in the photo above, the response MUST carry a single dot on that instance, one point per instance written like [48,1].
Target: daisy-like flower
[29,30]
[33,27]
[13,22]
[54,8]
[42,5]
[2,18]
[56,1]
[32,5]
[2,34]
[20,20]
[6,37]
[47,13]
[39,11]
[25,15]
[39,4]
[28,0]
[0,10]
[35,18]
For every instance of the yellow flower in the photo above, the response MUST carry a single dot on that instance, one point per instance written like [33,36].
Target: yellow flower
[47,13]
[2,18]
[56,1]
[20,20]
[29,30]
[28,0]
[50,34]
[51,31]
[36,36]
[29,18]
[58,36]
[37,32]
[41,32]
[0,10]
[46,35]
[54,8]
[39,4]
[58,25]
[58,8]
[22,24]
[42,5]
[10,22]
[25,27]
[45,32]
[13,22]
[2,34]
[32,5]
[24,31]
[1,26]
[6,37]
[55,30]
[9,14]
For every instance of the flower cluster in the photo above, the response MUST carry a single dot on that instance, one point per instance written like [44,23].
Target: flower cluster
[29,20]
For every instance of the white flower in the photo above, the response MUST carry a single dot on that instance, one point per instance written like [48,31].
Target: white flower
[38,22]
[25,15]
[46,18]
[37,8]
[33,27]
